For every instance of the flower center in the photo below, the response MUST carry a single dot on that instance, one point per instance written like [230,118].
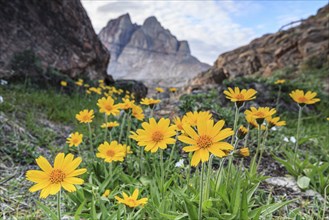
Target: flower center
[260,114]
[57,176]
[108,107]
[157,136]
[240,96]
[85,117]
[132,202]
[302,99]
[110,153]
[204,141]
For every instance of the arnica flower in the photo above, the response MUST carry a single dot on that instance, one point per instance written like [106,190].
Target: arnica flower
[179,124]
[79,82]
[260,114]
[106,193]
[244,152]
[131,201]
[149,101]
[192,117]
[107,106]
[126,104]
[275,122]
[85,116]
[206,140]
[301,98]
[173,90]
[252,121]
[110,125]
[279,81]
[240,96]
[63,83]
[50,179]
[111,151]
[95,90]
[242,132]
[128,149]
[74,139]
[159,90]
[155,135]
[137,112]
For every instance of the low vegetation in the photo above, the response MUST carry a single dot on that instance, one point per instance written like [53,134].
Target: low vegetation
[96,153]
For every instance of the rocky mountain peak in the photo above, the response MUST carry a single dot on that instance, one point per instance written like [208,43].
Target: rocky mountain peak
[288,47]
[148,52]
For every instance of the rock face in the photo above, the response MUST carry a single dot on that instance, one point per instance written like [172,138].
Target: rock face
[148,52]
[58,33]
[286,48]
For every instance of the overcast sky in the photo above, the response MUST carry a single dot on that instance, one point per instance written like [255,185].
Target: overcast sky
[210,27]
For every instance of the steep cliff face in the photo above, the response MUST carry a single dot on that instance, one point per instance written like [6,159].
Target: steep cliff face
[58,32]
[148,52]
[286,48]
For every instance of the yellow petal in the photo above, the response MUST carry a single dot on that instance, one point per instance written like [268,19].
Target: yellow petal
[59,159]
[68,187]
[196,158]
[44,164]
[39,186]
[77,172]
[204,154]
[135,194]
[54,188]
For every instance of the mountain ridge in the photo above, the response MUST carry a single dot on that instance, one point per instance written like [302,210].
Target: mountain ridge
[148,52]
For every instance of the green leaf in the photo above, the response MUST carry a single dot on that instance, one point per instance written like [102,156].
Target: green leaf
[303,182]
[79,210]
[244,206]
[191,209]
[206,205]
[47,210]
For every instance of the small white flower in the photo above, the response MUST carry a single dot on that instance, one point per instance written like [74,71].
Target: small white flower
[1,99]
[180,163]
[285,139]
[3,82]
[293,139]
[274,129]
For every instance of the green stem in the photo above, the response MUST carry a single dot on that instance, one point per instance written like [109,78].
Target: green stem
[236,118]
[257,150]
[298,127]
[152,111]
[122,125]
[59,205]
[172,153]
[128,129]
[162,172]
[111,169]
[201,192]
[262,146]
[278,99]
[141,161]
[209,172]
[297,135]
[105,135]
[218,174]
[189,171]
[247,137]
[90,139]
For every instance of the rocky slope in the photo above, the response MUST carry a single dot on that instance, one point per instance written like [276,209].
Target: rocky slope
[57,33]
[286,48]
[148,52]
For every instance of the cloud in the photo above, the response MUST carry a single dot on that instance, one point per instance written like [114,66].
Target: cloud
[210,27]
[206,25]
